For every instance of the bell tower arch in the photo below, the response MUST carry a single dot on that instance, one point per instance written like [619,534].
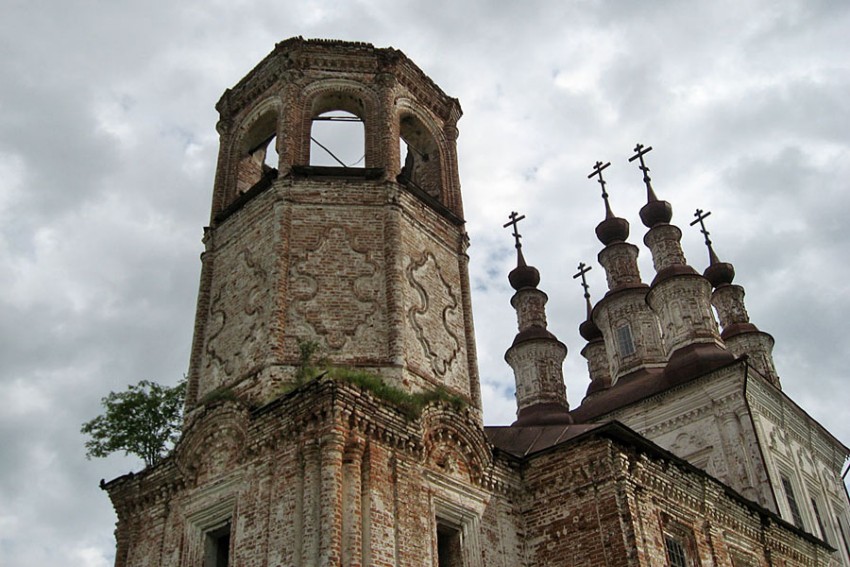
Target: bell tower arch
[367,262]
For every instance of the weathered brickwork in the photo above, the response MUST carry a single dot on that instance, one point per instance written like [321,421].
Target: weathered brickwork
[278,467]
[370,268]
[329,475]
[612,503]
[325,475]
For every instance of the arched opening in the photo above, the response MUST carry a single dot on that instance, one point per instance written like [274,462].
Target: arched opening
[420,157]
[258,156]
[337,139]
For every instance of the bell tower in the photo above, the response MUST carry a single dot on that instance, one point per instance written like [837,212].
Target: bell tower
[367,261]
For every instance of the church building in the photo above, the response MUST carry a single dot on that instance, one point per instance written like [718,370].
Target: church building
[333,410]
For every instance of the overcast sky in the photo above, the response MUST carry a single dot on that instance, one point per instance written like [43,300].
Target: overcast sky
[108,148]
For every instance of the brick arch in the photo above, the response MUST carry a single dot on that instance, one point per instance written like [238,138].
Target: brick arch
[256,126]
[408,109]
[447,431]
[339,94]
[423,164]
[214,441]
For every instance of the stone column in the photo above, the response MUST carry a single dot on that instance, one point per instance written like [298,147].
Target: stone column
[310,517]
[331,498]
[352,507]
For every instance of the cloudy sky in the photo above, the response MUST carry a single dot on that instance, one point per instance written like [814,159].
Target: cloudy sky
[108,146]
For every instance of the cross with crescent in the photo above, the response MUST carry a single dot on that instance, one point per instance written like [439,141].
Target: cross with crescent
[513,222]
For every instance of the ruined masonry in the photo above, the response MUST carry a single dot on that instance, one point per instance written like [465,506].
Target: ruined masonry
[333,415]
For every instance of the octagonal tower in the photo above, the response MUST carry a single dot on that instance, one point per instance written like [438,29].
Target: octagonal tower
[367,262]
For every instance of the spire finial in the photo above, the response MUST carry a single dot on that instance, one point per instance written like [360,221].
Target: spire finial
[597,170]
[700,218]
[717,272]
[582,270]
[515,218]
[655,212]
[523,275]
[641,151]
[588,328]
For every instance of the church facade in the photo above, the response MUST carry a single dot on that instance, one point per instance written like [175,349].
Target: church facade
[333,412]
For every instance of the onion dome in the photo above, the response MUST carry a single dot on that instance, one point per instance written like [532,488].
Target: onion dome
[718,273]
[613,228]
[523,275]
[588,330]
[656,211]
[536,355]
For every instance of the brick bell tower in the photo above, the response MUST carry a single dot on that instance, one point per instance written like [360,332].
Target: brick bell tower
[369,262]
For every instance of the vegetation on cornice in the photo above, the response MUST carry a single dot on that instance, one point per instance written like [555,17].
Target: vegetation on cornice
[222,394]
[310,365]
[411,405]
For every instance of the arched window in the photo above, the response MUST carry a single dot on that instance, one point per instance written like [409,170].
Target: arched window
[420,157]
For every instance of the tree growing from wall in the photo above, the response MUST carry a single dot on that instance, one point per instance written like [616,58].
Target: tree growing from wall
[143,420]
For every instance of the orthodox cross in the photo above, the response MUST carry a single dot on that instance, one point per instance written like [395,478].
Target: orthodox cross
[597,170]
[513,222]
[640,151]
[701,216]
[583,269]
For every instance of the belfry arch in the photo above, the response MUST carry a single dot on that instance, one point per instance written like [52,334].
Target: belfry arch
[347,96]
[250,155]
[420,154]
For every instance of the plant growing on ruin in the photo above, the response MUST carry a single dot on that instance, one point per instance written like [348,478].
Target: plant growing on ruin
[409,404]
[309,364]
[143,420]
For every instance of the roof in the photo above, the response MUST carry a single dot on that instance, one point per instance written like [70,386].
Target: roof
[522,441]
[636,387]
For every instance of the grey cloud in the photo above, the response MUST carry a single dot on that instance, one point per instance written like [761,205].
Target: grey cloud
[109,111]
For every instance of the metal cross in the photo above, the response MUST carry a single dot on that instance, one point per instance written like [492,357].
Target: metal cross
[583,269]
[597,170]
[701,216]
[513,222]
[640,151]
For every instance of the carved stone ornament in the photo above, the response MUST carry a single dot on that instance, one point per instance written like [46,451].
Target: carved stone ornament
[436,314]
[341,274]
[236,320]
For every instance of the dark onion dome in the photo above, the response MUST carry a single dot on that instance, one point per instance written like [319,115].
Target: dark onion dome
[523,275]
[534,333]
[612,229]
[719,273]
[656,212]
[589,331]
